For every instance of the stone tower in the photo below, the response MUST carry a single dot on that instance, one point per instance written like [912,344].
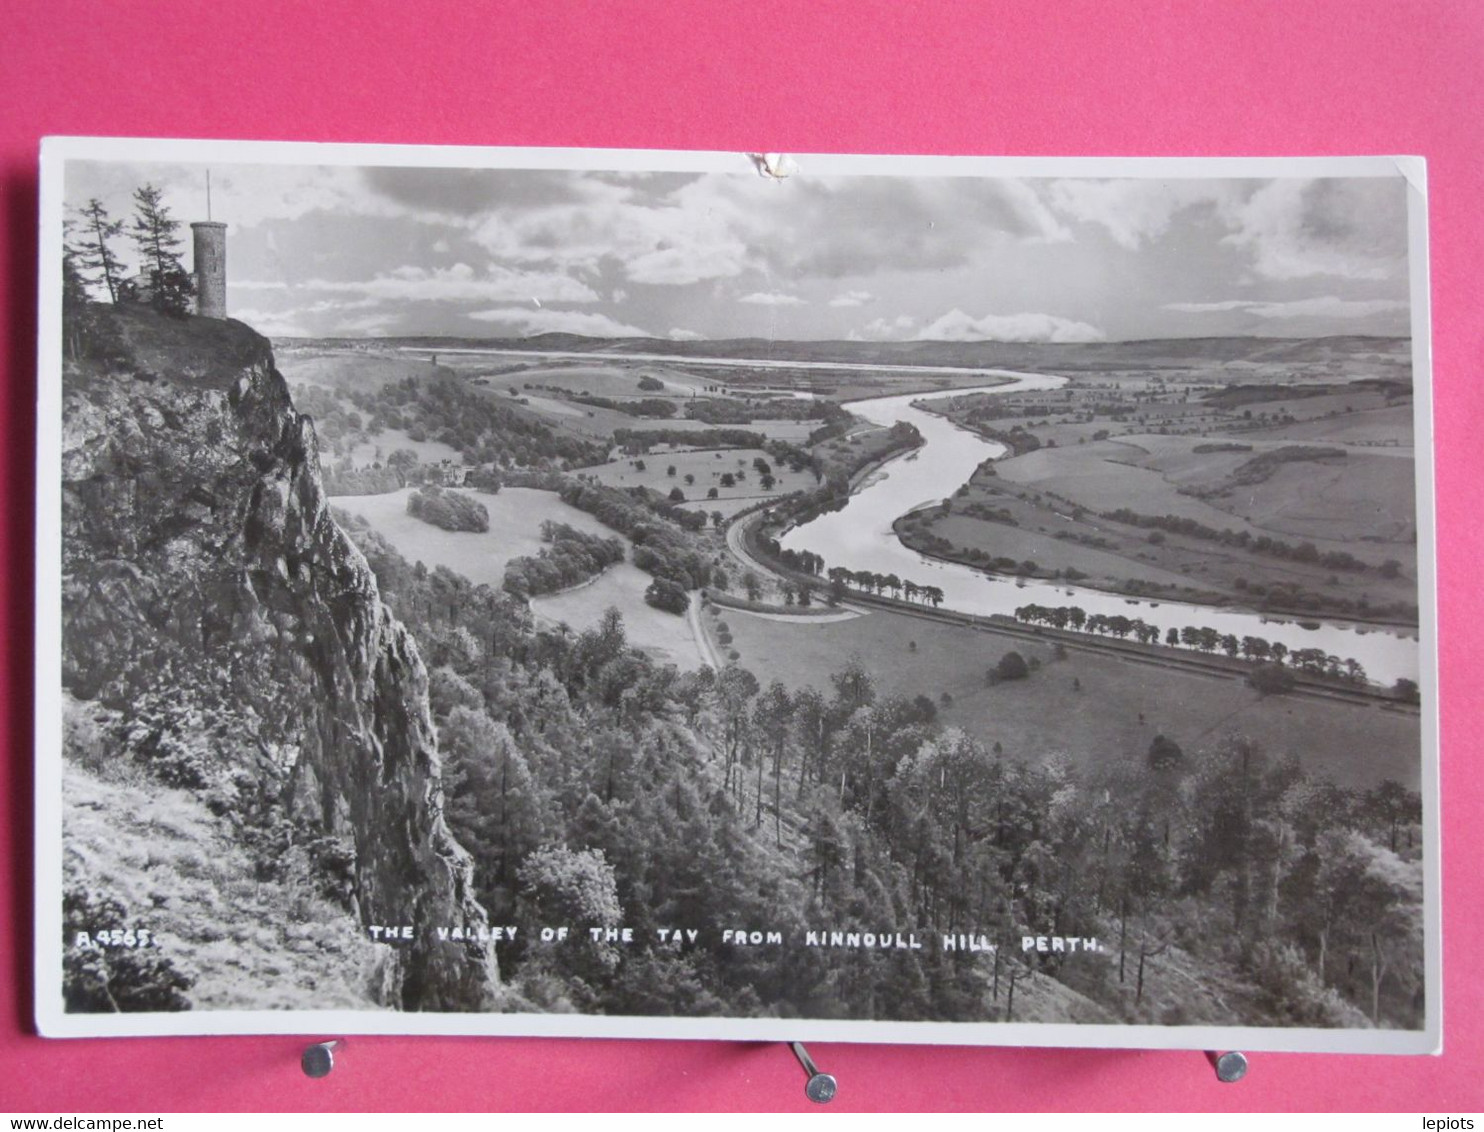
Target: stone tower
[211,268]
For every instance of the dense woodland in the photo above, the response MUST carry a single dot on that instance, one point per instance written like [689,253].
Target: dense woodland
[476,425]
[594,787]
[662,535]
[450,510]
[569,558]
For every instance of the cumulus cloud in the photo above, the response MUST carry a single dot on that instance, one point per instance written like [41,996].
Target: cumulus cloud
[886,329]
[368,325]
[772,299]
[956,326]
[1353,228]
[844,226]
[243,195]
[1289,227]
[543,320]
[461,283]
[324,317]
[462,193]
[680,334]
[273,324]
[719,226]
[1324,306]
[1136,211]
[672,238]
[326,241]
[670,266]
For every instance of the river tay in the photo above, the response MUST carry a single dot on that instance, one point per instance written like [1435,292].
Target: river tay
[860,537]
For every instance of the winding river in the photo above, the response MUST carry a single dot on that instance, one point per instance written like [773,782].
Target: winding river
[860,536]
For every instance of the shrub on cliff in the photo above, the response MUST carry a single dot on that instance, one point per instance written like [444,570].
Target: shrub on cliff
[448,509]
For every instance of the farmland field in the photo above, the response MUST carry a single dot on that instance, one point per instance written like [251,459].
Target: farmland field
[707,466]
[1391,428]
[1110,474]
[1118,709]
[376,449]
[664,636]
[342,368]
[516,515]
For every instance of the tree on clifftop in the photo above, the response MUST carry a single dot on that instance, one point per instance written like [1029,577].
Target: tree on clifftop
[91,229]
[156,236]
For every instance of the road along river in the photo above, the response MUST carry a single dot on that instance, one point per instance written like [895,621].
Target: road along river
[860,537]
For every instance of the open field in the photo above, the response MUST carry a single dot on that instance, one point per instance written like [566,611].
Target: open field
[619,380]
[1362,498]
[1000,540]
[344,368]
[1386,428]
[516,515]
[597,422]
[1049,507]
[376,449]
[1119,708]
[587,421]
[664,636]
[1121,558]
[707,466]
[1110,474]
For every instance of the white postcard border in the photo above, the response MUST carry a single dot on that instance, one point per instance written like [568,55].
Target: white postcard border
[53,1021]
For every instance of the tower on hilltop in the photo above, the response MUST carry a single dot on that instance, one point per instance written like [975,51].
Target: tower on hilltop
[210,248]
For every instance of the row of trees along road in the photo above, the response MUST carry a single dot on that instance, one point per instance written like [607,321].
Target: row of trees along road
[92,268]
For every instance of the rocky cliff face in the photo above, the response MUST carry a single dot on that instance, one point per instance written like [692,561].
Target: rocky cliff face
[210,599]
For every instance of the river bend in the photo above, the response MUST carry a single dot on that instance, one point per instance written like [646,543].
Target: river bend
[860,537]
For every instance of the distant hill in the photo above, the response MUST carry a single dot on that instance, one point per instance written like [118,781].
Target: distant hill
[1173,353]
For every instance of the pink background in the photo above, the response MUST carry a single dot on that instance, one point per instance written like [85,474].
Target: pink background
[1028,77]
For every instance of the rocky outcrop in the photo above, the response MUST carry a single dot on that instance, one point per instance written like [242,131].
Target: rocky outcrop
[202,571]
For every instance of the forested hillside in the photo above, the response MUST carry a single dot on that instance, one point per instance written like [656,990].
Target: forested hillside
[595,788]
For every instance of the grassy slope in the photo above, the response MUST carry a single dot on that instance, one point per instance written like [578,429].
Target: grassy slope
[516,515]
[664,636]
[180,871]
[1344,504]
[376,449]
[1372,427]
[341,369]
[707,467]
[1046,715]
[1354,500]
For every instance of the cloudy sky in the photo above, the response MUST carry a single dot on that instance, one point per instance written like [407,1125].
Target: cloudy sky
[507,253]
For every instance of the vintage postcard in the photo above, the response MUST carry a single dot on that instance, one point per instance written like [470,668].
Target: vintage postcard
[703,595]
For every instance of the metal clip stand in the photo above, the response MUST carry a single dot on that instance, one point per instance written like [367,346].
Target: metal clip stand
[1230,1067]
[319,1058]
[821,1087]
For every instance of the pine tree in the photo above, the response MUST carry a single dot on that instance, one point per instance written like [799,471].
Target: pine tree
[92,229]
[155,234]
[75,319]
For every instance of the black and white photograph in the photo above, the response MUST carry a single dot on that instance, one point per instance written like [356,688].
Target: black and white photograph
[652,594]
